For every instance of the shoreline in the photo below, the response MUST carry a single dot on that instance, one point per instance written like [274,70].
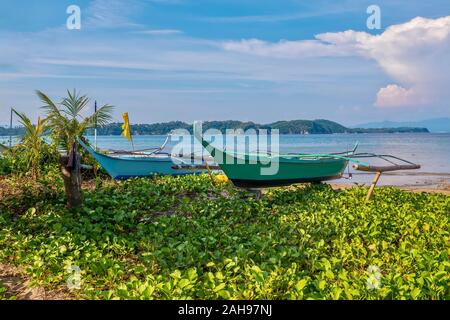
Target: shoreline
[429,187]
[405,180]
[442,190]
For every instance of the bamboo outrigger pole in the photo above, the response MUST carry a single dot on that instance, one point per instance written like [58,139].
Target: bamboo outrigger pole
[95,128]
[10,128]
[210,173]
[380,169]
[373,185]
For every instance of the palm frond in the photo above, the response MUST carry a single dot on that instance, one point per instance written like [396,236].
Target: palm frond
[73,104]
[54,118]
[49,106]
[102,117]
[41,126]
[32,141]
[66,122]
[25,121]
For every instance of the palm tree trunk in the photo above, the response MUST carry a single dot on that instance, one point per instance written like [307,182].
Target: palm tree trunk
[72,182]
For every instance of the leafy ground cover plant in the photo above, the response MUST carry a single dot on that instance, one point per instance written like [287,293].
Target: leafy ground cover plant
[2,292]
[185,238]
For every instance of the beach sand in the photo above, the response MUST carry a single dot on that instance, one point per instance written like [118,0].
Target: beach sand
[409,181]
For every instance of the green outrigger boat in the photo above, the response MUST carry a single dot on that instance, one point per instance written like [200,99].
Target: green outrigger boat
[268,170]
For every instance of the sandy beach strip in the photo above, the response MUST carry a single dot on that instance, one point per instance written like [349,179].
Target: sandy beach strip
[415,181]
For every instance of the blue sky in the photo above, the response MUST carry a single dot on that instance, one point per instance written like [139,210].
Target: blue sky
[257,60]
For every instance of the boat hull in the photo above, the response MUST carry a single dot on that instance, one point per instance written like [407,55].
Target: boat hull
[286,172]
[120,168]
[278,182]
[266,170]
[130,167]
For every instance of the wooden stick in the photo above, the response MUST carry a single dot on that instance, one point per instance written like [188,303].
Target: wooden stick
[10,128]
[372,187]
[194,167]
[386,168]
[210,174]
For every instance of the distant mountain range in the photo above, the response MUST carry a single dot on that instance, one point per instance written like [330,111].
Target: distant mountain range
[319,126]
[433,125]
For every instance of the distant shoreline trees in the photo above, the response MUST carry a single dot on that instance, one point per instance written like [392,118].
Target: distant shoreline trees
[284,127]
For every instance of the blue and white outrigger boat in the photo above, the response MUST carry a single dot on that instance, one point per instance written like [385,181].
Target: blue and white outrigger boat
[126,164]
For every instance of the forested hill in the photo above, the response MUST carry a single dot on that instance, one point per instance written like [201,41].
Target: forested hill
[285,127]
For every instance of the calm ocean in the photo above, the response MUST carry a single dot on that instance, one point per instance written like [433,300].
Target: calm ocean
[430,150]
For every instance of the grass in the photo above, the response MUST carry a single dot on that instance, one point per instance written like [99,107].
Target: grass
[183,238]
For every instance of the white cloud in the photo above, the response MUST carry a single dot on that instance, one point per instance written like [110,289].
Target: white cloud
[306,77]
[325,45]
[274,18]
[284,48]
[397,96]
[114,14]
[415,54]
[160,32]
[111,13]
[298,10]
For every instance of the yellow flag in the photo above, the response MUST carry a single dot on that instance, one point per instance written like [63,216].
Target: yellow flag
[126,126]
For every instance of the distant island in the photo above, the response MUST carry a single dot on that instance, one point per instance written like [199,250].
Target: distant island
[319,126]
[433,125]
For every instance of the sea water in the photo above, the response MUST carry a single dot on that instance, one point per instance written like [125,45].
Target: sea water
[430,150]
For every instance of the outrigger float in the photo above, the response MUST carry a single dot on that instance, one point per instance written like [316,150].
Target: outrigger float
[245,169]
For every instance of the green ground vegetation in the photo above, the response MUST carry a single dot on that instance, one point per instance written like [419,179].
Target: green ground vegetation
[186,238]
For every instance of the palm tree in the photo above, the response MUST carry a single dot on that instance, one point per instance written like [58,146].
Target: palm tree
[66,123]
[32,141]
